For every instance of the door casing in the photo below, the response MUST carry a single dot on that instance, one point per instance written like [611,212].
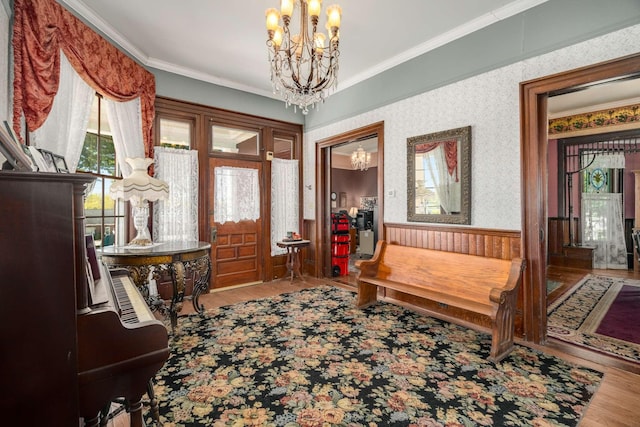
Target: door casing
[323,193]
[533,132]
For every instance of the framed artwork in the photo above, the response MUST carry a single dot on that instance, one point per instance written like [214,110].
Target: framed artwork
[14,153]
[11,132]
[38,158]
[60,163]
[50,163]
[367,203]
[343,199]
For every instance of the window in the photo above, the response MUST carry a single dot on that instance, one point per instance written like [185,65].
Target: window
[283,147]
[237,141]
[105,218]
[175,133]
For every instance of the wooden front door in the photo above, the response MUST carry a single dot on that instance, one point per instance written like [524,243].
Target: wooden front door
[236,246]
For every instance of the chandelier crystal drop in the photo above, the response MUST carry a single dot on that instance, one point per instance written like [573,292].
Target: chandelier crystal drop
[360,159]
[304,66]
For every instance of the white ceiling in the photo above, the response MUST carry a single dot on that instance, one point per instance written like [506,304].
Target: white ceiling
[225,42]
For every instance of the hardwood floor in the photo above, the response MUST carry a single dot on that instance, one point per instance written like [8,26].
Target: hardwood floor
[571,276]
[614,404]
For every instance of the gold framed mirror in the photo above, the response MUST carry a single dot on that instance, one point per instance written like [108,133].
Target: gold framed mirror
[439,177]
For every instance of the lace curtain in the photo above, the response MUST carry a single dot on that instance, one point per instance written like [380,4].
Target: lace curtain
[237,194]
[66,126]
[176,219]
[602,227]
[284,201]
[126,128]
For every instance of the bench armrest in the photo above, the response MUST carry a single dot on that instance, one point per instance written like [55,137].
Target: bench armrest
[499,295]
[369,267]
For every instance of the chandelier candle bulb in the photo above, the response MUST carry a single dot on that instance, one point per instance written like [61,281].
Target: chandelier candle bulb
[286,8]
[315,7]
[277,37]
[273,18]
[334,15]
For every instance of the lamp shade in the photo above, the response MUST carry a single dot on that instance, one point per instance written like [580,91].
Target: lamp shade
[139,185]
[353,212]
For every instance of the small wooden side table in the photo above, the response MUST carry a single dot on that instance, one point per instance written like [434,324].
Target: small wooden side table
[293,248]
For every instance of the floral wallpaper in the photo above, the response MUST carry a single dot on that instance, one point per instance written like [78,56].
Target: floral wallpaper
[489,103]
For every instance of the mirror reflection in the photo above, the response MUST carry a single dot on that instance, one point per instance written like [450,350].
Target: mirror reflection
[439,177]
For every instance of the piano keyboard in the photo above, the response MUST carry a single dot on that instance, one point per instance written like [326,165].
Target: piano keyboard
[131,305]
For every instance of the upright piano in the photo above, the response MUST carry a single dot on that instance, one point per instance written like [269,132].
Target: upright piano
[65,356]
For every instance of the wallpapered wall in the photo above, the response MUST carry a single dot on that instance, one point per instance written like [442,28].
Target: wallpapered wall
[489,103]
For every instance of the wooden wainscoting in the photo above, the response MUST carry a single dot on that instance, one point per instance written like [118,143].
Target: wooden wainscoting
[502,244]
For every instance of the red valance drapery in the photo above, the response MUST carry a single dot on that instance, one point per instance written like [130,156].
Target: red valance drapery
[41,29]
[450,153]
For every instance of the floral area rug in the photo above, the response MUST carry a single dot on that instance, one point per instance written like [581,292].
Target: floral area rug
[311,358]
[581,316]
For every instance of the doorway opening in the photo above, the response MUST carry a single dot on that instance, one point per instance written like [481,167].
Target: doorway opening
[341,198]
[534,102]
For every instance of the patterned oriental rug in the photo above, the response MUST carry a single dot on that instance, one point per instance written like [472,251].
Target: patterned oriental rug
[600,313]
[310,358]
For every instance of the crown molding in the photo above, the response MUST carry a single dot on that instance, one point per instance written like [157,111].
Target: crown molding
[490,18]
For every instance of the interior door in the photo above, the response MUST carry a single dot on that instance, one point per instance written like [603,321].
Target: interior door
[236,244]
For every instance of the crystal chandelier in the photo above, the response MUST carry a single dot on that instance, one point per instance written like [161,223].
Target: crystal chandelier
[360,159]
[303,68]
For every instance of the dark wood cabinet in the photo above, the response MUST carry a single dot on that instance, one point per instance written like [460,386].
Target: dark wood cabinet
[579,256]
[574,257]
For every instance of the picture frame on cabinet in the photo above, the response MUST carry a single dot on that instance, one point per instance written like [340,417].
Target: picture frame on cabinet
[60,163]
[14,153]
[39,160]
[27,150]
[48,160]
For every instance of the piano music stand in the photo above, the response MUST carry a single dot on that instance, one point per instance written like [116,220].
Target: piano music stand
[176,258]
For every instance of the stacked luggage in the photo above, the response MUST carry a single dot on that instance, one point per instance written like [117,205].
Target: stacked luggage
[340,244]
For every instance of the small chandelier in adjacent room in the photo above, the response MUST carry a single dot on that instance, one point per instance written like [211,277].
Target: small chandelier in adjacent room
[303,68]
[360,159]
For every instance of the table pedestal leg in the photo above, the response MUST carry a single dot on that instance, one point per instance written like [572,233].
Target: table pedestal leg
[293,263]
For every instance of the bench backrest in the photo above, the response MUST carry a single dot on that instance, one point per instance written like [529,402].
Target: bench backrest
[418,266]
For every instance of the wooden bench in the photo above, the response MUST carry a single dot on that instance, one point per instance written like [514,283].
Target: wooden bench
[487,286]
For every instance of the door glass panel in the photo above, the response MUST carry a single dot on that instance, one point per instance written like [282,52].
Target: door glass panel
[237,141]
[237,194]
[175,133]
[283,148]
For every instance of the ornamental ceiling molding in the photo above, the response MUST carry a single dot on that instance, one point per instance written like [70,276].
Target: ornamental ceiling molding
[595,122]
